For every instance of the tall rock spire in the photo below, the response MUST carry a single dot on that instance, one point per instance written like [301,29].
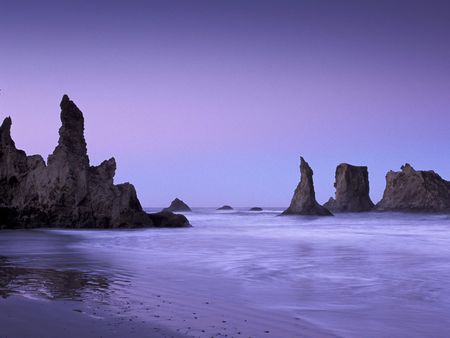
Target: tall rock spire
[71,144]
[304,200]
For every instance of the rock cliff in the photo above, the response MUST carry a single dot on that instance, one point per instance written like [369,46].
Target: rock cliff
[415,190]
[304,200]
[67,191]
[352,189]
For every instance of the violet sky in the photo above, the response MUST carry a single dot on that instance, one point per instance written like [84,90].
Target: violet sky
[214,101]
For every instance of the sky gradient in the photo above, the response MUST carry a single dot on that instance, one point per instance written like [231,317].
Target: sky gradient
[214,101]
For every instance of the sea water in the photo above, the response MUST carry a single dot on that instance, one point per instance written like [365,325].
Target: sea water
[255,273]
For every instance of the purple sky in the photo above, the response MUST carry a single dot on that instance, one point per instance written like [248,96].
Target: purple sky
[214,101]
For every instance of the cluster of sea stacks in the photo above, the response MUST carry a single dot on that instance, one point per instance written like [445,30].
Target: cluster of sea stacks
[407,190]
[66,191]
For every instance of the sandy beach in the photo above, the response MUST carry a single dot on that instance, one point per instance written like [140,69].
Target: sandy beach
[25,317]
[46,293]
[234,274]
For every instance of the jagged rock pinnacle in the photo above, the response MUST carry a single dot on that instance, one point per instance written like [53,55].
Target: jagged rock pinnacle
[68,192]
[304,200]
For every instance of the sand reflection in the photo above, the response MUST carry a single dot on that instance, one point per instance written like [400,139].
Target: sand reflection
[49,283]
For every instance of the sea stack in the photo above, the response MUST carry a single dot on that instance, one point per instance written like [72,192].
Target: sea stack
[225,207]
[67,191]
[415,190]
[352,190]
[177,205]
[304,200]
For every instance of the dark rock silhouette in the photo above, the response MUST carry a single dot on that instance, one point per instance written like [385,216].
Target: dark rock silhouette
[415,190]
[352,189]
[256,209]
[67,192]
[304,199]
[167,219]
[225,207]
[177,205]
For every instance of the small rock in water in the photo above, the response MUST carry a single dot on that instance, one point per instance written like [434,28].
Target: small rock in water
[225,207]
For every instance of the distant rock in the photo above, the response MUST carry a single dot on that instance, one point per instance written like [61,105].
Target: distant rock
[352,190]
[304,199]
[256,209]
[415,190]
[67,191]
[177,205]
[165,219]
[225,207]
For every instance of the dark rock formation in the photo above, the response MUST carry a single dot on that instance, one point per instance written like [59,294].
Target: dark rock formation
[352,190]
[225,207]
[256,209]
[415,190]
[67,192]
[168,219]
[304,199]
[177,205]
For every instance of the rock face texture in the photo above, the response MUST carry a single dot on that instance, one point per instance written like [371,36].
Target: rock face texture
[67,191]
[304,200]
[352,190]
[415,190]
[177,205]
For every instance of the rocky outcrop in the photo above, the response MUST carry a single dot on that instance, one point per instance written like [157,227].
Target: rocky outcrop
[256,209]
[67,191]
[304,200]
[415,190]
[352,190]
[166,219]
[225,207]
[177,205]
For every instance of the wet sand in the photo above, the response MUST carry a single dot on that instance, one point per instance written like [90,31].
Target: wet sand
[49,289]
[50,303]
[25,317]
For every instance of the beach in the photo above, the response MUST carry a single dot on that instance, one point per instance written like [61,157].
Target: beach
[233,274]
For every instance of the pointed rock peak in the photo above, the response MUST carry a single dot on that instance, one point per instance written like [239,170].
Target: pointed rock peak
[407,168]
[177,205]
[6,125]
[109,165]
[303,162]
[65,100]
[71,143]
[5,131]
[111,162]
[304,167]
[304,200]
[70,112]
